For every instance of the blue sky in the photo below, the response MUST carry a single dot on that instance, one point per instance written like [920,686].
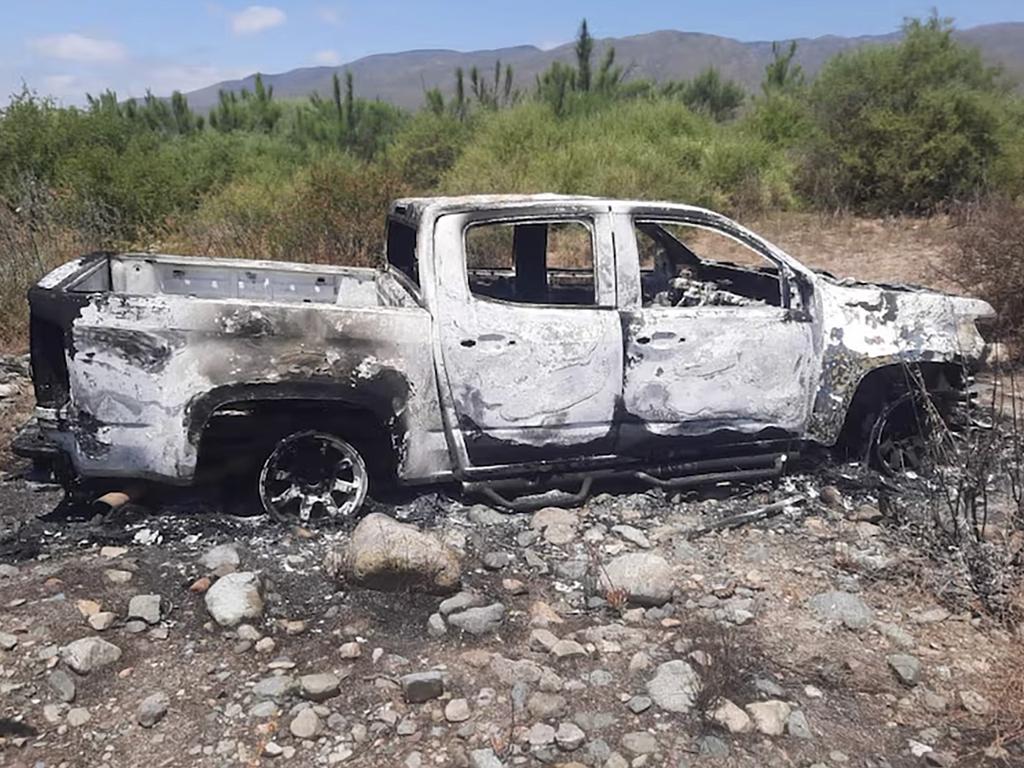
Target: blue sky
[67,47]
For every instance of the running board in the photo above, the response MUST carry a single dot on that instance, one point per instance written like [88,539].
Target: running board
[687,475]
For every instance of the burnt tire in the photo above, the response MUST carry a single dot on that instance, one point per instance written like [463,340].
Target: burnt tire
[313,477]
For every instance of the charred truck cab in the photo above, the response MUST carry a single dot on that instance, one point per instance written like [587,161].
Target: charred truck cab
[513,344]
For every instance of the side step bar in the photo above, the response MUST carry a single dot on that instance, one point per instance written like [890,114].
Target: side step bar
[685,475]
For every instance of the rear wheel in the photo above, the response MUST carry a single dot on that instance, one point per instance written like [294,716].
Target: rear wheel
[313,476]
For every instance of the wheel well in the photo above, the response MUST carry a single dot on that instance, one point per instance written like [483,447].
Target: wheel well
[944,383]
[237,436]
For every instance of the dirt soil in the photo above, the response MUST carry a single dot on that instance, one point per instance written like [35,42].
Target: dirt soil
[889,673]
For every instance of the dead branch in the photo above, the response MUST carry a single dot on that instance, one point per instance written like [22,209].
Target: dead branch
[735,521]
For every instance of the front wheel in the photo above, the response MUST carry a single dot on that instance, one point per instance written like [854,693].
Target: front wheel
[312,476]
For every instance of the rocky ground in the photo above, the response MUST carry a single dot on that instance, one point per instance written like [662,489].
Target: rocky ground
[609,635]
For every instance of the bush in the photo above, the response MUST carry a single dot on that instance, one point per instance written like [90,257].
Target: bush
[989,259]
[908,128]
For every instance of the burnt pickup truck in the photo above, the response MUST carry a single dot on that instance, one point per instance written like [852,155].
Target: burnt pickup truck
[523,346]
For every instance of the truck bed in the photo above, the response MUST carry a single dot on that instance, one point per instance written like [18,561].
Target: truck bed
[139,274]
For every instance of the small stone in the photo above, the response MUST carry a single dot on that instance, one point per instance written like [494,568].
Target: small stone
[275,687]
[8,642]
[118,576]
[632,535]
[78,716]
[320,687]
[62,684]
[542,640]
[293,627]
[567,649]
[933,702]
[223,559]
[547,706]
[152,709]
[797,725]
[559,534]
[769,716]
[831,496]
[457,711]
[479,621]
[248,632]
[732,718]
[495,561]
[200,585]
[265,645]
[89,653]
[111,553]
[145,607]
[975,703]
[540,735]
[674,686]
[87,607]
[306,724]
[350,651]
[102,621]
[422,686]
[514,586]
[436,626]
[638,704]
[639,742]
[930,616]
[712,746]
[484,758]
[569,737]
[234,598]
[842,606]
[645,578]
[907,668]
[543,615]
[461,602]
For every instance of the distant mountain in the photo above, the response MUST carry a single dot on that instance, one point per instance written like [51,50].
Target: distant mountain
[402,78]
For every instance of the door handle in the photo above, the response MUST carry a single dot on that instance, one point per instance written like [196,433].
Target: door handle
[468,343]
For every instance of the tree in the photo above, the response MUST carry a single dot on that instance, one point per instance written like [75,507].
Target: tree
[908,127]
[782,73]
[584,50]
[710,94]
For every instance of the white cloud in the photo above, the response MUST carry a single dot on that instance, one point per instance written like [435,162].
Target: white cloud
[329,15]
[327,58]
[256,18]
[75,47]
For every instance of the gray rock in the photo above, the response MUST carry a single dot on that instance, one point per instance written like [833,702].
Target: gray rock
[640,742]
[842,606]
[235,597]
[320,686]
[8,571]
[8,642]
[436,626]
[145,607]
[388,555]
[223,558]
[674,686]
[547,706]
[306,724]
[78,716]
[639,704]
[712,746]
[62,684]
[461,602]
[896,635]
[102,620]
[152,709]
[797,725]
[480,514]
[495,561]
[907,668]
[484,758]
[479,621]
[89,653]
[769,716]
[632,535]
[540,735]
[569,736]
[422,686]
[275,687]
[567,649]
[457,711]
[646,578]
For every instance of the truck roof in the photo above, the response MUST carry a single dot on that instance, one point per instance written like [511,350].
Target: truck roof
[412,209]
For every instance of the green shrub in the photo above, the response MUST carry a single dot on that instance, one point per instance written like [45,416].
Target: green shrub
[908,127]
